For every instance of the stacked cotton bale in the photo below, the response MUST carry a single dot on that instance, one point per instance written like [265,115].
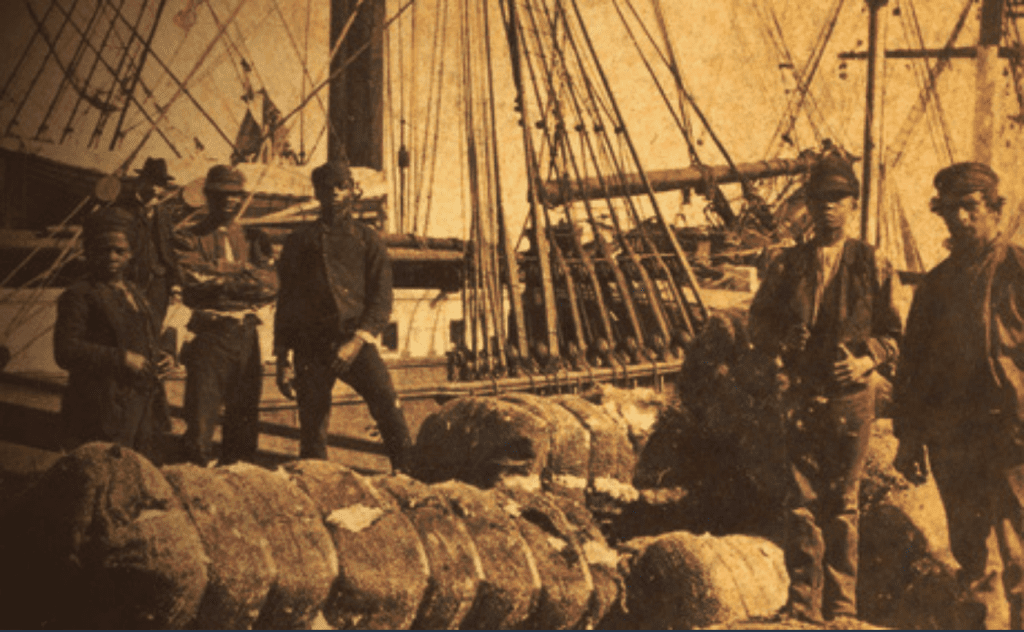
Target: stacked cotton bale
[101,541]
[680,580]
[566,445]
[108,540]
[383,571]
[907,573]
[241,566]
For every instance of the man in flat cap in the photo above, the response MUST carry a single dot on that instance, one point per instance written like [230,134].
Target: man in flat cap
[228,276]
[154,266]
[826,311]
[105,337]
[335,299]
[960,391]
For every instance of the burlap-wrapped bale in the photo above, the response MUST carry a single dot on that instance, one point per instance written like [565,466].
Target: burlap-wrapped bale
[242,568]
[100,541]
[567,584]
[303,553]
[612,461]
[603,561]
[511,583]
[567,471]
[455,567]
[907,575]
[481,440]
[681,580]
[383,570]
[637,410]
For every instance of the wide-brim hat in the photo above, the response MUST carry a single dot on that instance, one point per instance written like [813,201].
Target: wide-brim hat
[155,169]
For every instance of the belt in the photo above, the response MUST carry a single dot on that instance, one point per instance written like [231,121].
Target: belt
[203,320]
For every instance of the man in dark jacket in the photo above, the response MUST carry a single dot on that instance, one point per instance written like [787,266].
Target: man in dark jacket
[335,299]
[960,392]
[154,266]
[228,275]
[826,310]
[105,336]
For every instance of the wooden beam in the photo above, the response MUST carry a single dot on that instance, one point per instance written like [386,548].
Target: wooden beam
[555,193]
[874,144]
[1005,52]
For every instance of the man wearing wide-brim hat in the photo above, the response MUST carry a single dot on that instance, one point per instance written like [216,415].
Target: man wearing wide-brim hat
[959,392]
[826,311]
[154,268]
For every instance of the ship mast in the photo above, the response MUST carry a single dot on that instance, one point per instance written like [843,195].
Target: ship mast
[987,78]
[356,132]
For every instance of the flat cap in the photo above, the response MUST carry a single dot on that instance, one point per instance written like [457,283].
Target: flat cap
[966,177]
[832,174]
[332,174]
[108,219]
[224,179]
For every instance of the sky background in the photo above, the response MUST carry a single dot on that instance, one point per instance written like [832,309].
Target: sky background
[728,61]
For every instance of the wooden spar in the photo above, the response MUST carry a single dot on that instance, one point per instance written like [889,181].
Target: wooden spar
[871,192]
[147,44]
[987,78]
[356,132]
[555,193]
[958,52]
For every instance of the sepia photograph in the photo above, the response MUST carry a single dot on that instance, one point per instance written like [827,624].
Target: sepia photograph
[512,314]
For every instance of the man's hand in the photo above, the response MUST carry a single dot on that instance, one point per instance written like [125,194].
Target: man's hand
[852,370]
[346,355]
[136,362]
[911,461]
[164,365]
[796,339]
[285,378]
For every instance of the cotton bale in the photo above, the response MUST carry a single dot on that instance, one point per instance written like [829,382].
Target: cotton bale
[567,584]
[100,541]
[510,587]
[567,470]
[481,440]
[456,570]
[612,460]
[383,572]
[681,580]
[303,552]
[242,569]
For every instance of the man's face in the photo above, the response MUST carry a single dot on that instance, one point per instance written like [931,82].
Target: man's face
[337,197]
[830,211]
[969,218]
[108,254]
[224,205]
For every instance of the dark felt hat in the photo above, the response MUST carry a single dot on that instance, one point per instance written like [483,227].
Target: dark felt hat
[966,177]
[332,174]
[224,179]
[108,219]
[155,169]
[832,174]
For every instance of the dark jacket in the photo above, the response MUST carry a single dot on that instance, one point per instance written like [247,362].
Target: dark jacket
[103,400]
[961,377]
[154,266]
[857,309]
[335,280]
[211,282]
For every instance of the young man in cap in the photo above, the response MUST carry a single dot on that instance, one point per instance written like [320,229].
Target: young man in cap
[960,391]
[826,310]
[154,268]
[229,275]
[105,336]
[335,299]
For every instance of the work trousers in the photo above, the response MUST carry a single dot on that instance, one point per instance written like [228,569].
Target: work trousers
[224,369]
[826,448]
[368,376]
[984,501]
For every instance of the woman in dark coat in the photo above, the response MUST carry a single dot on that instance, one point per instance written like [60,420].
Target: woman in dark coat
[105,337]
